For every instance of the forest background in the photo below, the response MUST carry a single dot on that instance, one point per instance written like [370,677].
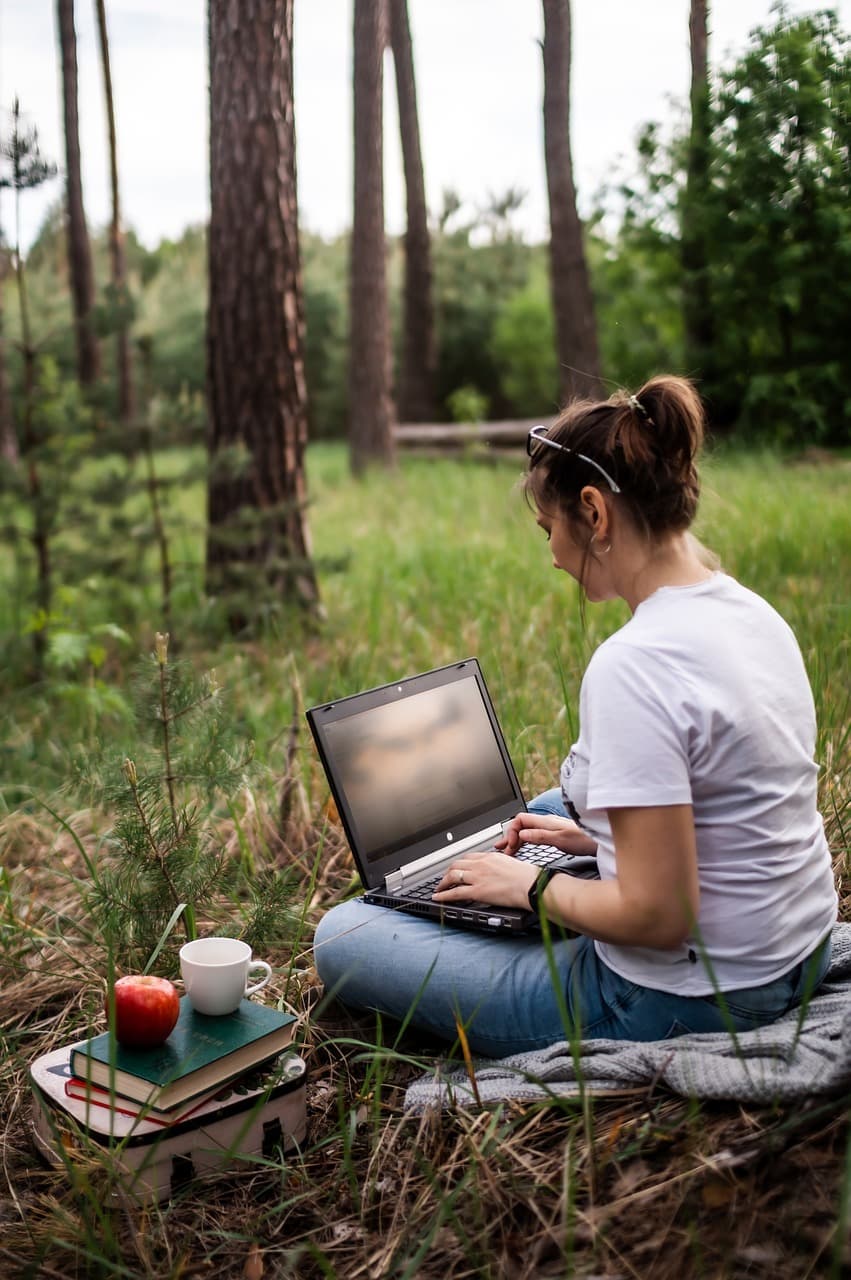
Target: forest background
[722,251]
[491,284]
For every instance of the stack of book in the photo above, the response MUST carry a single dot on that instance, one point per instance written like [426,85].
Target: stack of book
[218,1090]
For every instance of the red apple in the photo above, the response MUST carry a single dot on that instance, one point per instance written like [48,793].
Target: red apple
[146,1010]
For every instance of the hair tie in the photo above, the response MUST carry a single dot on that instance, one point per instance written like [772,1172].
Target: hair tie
[635,404]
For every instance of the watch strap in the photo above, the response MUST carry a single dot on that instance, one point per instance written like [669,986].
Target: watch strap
[538,886]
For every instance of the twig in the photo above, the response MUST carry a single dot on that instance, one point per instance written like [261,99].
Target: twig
[161,649]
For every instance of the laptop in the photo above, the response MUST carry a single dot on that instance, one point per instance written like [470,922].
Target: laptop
[421,774]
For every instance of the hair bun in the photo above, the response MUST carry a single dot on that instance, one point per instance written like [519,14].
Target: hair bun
[674,411]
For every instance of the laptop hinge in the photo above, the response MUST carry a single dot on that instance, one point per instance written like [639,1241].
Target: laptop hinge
[422,868]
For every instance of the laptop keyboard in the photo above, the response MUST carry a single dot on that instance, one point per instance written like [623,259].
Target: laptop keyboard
[539,854]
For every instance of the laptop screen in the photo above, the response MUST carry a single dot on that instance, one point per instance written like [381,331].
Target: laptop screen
[413,768]
[416,766]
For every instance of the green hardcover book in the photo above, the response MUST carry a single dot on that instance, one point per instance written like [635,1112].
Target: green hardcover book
[200,1053]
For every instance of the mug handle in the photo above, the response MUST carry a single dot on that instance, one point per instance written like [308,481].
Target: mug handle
[259,964]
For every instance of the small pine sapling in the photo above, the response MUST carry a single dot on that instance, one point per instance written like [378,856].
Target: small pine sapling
[169,858]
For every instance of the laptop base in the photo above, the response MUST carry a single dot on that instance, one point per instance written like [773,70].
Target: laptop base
[479,915]
[461,915]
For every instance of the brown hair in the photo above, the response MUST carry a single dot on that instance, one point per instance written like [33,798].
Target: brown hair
[647,442]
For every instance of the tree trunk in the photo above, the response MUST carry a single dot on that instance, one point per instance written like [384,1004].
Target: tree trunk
[8,438]
[30,442]
[573,301]
[79,249]
[697,303]
[257,395]
[118,265]
[371,412]
[416,389]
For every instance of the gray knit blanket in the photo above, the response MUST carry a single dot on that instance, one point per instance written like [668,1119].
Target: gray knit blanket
[806,1052]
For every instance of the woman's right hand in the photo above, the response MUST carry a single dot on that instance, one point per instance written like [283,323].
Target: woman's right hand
[545,828]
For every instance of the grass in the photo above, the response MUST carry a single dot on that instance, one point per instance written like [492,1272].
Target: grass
[422,566]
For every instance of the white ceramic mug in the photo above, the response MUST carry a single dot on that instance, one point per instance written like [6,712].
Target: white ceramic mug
[215,974]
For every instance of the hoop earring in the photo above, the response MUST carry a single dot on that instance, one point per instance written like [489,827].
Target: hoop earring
[603,551]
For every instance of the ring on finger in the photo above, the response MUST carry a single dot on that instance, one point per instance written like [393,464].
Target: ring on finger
[459,875]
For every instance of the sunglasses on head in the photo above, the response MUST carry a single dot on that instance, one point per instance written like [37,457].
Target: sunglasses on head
[538,436]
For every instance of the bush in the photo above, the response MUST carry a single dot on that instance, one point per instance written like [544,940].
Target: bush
[467,404]
[524,349]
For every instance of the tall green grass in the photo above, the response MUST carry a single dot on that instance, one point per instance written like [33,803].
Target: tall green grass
[433,562]
[445,560]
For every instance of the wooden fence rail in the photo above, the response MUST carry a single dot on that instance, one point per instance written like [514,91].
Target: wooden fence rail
[448,439]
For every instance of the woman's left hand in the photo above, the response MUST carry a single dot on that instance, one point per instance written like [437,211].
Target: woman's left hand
[490,876]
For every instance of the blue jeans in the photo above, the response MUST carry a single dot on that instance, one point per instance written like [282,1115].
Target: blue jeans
[517,993]
[502,989]
[549,802]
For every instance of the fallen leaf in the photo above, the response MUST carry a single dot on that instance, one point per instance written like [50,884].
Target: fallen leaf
[253,1269]
[717,1192]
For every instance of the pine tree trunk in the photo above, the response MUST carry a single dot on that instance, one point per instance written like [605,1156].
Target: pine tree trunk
[573,301]
[79,249]
[8,438]
[30,442]
[371,411]
[416,390]
[258,536]
[118,265]
[697,303]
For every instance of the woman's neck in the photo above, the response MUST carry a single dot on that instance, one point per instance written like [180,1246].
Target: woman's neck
[678,561]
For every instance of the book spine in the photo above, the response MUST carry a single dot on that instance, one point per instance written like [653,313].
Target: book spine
[110,1102]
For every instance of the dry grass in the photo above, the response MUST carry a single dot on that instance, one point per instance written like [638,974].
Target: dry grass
[645,1186]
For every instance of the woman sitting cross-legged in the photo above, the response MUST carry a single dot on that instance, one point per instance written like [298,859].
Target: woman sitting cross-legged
[692,779]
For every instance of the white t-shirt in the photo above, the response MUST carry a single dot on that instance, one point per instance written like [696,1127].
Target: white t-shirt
[702,698]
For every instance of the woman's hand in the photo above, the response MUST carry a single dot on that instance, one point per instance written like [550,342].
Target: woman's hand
[653,901]
[546,828]
[487,877]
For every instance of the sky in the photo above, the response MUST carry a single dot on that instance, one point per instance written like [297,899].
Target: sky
[479,87]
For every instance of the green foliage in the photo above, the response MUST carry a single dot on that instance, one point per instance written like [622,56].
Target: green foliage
[637,286]
[87,501]
[475,267]
[75,652]
[22,166]
[99,504]
[326,333]
[49,305]
[268,914]
[467,404]
[780,215]
[171,314]
[480,263]
[37,495]
[524,347]
[167,857]
[775,223]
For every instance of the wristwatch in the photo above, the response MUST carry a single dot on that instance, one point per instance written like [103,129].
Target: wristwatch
[539,884]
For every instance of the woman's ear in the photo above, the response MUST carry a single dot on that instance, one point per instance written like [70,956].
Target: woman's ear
[593,509]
